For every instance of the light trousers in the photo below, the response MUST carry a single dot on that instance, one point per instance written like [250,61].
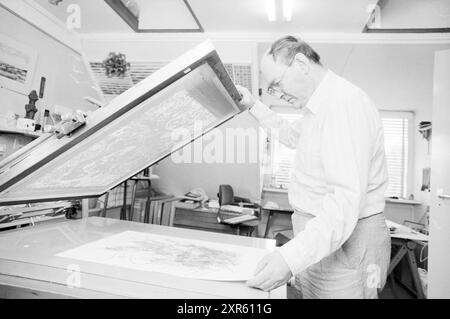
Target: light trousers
[357,270]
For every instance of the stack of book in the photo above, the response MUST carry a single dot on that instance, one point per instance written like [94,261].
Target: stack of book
[191,200]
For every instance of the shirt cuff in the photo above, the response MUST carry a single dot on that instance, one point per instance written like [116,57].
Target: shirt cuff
[293,256]
[260,111]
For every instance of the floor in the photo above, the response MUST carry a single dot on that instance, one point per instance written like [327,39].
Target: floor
[400,292]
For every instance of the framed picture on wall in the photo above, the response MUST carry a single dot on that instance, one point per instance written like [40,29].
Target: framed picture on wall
[17,65]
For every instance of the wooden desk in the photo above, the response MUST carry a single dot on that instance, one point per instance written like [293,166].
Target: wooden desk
[273,211]
[206,219]
[30,269]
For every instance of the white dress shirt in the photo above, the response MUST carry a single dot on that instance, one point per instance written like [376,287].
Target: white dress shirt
[339,173]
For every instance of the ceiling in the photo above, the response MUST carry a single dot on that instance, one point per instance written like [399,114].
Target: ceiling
[250,16]
[230,16]
[153,15]
[399,14]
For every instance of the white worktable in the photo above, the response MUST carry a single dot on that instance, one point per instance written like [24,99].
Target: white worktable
[29,267]
[405,232]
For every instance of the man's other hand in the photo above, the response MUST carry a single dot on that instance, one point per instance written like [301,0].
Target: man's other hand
[247,99]
[272,272]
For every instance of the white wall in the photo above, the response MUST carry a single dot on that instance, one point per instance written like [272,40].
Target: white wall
[56,62]
[148,49]
[243,177]
[396,76]
[400,77]
[175,178]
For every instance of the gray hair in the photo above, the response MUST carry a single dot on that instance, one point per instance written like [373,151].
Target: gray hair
[287,47]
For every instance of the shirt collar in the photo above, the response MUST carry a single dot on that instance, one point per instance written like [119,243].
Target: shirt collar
[320,92]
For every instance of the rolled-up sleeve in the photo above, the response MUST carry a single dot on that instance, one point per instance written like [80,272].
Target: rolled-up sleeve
[345,154]
[285,132]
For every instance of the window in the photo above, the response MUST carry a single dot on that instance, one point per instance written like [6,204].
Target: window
[398,130]
[113,86]
[279,158]
[397,139]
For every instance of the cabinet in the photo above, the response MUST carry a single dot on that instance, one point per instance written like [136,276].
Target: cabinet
[400,211]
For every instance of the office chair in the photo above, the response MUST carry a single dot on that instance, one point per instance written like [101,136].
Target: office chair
[226,197]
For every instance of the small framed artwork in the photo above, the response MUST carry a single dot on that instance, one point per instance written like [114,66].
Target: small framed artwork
[17,65]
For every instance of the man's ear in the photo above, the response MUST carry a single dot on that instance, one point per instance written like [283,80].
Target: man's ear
[302,62]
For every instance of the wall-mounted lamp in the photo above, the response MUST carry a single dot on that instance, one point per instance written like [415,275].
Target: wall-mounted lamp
[276,6]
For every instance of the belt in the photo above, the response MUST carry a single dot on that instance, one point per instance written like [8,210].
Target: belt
[370,216]
[304,214]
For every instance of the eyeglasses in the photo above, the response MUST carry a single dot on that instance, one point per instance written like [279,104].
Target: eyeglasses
[279,94]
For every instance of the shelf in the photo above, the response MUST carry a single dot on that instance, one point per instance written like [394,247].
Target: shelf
[30,220]
[403,201]
[13,130]
[275,190]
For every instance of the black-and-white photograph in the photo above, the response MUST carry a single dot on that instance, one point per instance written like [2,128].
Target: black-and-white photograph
[254,152]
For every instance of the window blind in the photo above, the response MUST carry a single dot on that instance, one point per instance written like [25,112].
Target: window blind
[397,128]
[113,86]
[397,137]
[282,158]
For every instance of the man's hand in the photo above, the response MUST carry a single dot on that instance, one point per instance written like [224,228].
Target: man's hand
[247,99]
[272,272]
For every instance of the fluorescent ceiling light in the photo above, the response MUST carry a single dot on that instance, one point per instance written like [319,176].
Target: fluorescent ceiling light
[274,6]
[271,10]
[287,10]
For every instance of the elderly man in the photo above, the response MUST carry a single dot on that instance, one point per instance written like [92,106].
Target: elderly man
[341,247]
